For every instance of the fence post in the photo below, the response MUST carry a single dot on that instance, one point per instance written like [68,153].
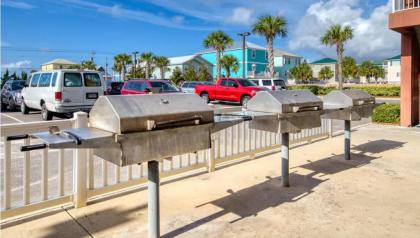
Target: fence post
[211,163]
[80,165]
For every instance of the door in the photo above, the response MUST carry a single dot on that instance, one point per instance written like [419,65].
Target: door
[31,92]
[222,90]
[72,89]
[93,87]
[232,92]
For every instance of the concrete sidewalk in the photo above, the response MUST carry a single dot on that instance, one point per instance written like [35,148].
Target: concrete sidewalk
[376,194]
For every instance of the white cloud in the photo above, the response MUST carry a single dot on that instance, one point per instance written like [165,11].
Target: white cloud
[131,14]
[178,19]
[17,65]
[372,38]
[17,4]
[240,15]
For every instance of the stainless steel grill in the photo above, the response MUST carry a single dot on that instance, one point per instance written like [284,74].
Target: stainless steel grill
[348,105]
[134,129]
[285,111]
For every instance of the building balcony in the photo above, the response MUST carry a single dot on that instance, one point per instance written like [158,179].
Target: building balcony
[405,15]
[401,5]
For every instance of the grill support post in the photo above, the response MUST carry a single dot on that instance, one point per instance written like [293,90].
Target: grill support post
[285,159]
[347,128]
[153,201]
[80,165]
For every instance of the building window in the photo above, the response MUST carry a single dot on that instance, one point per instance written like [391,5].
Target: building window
[398,74]
[254,54]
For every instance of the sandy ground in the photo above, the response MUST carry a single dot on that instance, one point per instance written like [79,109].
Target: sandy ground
[376,194]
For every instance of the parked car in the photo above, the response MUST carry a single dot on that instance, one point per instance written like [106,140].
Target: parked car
[189,86]
[229,89]
[61,91]
[273,84]
[113,88]
[143,86]
[11,94]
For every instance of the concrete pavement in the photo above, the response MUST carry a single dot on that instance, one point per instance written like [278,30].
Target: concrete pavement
[376,194]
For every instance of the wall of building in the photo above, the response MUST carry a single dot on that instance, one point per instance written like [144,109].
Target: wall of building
[283,64]
[257,57]
[393,71]
[196,64]
[317,67]
[55,66]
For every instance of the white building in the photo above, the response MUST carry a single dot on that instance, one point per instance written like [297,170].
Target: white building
[183,63]
[393,69]
[284,61]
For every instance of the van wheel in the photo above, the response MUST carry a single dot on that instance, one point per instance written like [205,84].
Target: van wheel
[244,100]
[23,108]
[46,115]
[205,97]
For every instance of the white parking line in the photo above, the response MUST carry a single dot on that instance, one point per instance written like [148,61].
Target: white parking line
[12,118]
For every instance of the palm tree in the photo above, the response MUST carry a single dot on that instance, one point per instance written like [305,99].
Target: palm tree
[325,73]
[301,72]
[219,41]
[161,62]
[338,35]
[270,27]
[147,58]
[120,63]
[88,64]
[229,62]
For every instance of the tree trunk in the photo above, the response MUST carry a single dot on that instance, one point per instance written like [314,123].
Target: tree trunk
[123,73]
[218,68]
[162,73]
[340,70]
[147,70]
[270,57]
[227,72]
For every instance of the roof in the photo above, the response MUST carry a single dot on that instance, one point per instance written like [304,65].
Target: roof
[325,61]
[397,57]
[183,59]
[59,61]
[238,45]
[279,53]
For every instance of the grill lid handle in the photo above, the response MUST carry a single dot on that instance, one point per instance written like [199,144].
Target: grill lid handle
[195,120]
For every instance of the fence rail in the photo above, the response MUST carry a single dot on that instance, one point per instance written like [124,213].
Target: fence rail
[400,5]
[42,179]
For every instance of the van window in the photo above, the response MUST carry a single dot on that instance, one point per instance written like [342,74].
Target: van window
[53,80]
[35,79]
[72,80]
[255,81]
[44,80]
[266,82]
[92,80]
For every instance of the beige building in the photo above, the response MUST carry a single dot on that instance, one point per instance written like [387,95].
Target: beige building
[57,64]
[325,62]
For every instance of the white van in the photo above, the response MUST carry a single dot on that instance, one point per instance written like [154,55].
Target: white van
[61,91]
[272,84]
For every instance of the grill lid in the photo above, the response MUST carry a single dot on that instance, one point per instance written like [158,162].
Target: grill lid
[347,98]
[284,102]
[126,114]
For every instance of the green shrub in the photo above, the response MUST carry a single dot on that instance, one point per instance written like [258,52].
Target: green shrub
[374,90]
[387,113]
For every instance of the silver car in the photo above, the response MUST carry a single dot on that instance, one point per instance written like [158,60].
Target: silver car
[11,94]
[189,86]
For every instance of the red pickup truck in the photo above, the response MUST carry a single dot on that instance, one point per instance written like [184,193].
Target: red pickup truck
[229,89]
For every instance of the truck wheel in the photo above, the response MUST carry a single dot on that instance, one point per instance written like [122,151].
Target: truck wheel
[46,115]
[205,97]
[244,100]
[23,108]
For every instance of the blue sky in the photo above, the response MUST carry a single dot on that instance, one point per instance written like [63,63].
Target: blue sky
[36,31]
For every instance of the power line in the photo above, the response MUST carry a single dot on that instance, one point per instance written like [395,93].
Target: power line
[47,50]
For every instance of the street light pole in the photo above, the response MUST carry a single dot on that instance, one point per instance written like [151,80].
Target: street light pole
[244,35]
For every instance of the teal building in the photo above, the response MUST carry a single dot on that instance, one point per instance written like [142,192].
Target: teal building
[256,59]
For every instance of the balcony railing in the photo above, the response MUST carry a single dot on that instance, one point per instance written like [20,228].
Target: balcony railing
[400,5]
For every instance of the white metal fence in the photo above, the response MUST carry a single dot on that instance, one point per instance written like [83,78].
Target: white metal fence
[41,179]
[399,5]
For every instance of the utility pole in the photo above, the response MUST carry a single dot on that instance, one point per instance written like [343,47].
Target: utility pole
[244,35]
[92,55]
[106,67]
